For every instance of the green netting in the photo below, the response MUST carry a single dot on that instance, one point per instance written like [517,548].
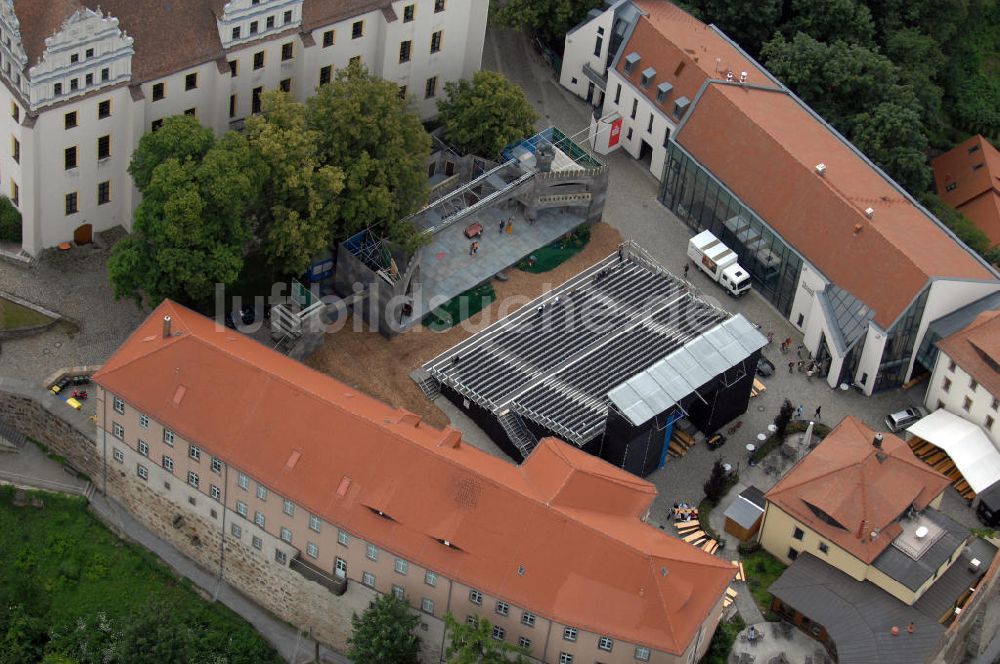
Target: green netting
[557,253]
[460,307]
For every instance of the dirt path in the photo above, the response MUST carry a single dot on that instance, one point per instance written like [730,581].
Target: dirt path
[378,366]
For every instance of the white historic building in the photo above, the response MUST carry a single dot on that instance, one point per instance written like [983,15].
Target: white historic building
[84,80]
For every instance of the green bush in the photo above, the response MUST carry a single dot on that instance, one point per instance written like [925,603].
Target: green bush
[723,640]
[10,221]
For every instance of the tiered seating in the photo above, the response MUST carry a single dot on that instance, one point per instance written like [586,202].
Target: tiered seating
[680,443]
[940,461]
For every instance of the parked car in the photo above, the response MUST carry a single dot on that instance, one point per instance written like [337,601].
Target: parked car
[765,367]
[896,422]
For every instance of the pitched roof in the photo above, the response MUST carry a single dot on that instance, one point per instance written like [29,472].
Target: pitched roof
[169,36]
[976,348]
[971,170]
[683,51]
[765,145]
[569,519]
[844,479]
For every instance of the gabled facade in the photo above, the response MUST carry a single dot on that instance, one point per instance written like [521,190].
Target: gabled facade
[310,498]
[967,178]
[84,81]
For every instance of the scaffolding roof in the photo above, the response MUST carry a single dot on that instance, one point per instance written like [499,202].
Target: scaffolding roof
[663,385]
[555,359]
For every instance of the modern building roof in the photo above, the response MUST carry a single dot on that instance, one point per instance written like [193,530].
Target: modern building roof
[967,178]
[561,534]
[169,36]
[556,359]
[683,51]
[974,454]
[976,348]
[845,480]
[764,144]
[859,616]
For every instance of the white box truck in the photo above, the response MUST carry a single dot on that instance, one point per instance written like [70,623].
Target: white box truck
[719,262]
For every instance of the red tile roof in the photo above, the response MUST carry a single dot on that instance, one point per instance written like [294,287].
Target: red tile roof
[976,191]
[169,36]
[976,348]
[571,520]
[765,146]
[844,478]
[683,51]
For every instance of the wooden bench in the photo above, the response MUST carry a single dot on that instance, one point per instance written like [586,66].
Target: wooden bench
[944,466]
[934,458]
[731,594]
[759,386]
[710,546]
[961,485]
[683,438]
[693,537]
[686,526]
[676,449]
[923,449]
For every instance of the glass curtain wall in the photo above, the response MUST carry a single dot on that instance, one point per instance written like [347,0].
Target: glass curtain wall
[899,346]
[701,201]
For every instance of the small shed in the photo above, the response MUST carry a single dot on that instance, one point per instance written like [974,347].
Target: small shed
[744,514]
[988,509]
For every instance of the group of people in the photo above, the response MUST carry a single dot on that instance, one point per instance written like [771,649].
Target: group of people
[682,512]
[504,225]
[801,409]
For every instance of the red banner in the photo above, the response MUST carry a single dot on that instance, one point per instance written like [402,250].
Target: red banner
[616,133]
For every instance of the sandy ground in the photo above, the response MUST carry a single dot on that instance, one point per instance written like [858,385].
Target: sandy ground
[378,366]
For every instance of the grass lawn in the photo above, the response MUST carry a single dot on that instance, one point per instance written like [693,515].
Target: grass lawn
[555,254]
[460,307]
[762,569]
[67,577]
[14,316]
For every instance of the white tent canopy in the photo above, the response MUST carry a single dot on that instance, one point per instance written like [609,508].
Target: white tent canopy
[966,443]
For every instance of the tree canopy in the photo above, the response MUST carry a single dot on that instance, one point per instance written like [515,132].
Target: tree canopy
[484,115]
[749,22]
[299,212]
[889,134]
[190,230]
[384,633]
[831,20]
[552,19]
[474,644]
[371,134]
[181,137]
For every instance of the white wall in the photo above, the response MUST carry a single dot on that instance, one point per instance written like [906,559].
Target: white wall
[950,386]
[580,47]
[946,296]
[44,182]
[637,129]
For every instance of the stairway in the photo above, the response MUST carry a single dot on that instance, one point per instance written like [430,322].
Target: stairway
[11,440]
[428,384]
[518,433]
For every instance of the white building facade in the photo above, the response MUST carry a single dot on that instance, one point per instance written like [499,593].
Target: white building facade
[78,94]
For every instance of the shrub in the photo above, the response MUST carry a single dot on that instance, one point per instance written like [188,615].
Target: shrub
[10,221]
[782,419]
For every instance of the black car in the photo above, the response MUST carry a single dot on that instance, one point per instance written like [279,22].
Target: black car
[765,367]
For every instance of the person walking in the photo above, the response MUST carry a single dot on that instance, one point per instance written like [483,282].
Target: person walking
[500,228]
[799,411]
[472,248]
[791,367]
[687,266]
[510,226]
[818,409]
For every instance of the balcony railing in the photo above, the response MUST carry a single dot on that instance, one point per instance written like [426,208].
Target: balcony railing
[335,584]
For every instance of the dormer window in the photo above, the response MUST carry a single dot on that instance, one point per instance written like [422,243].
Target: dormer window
[631,60]
[681,107]
[662,91]
[647,76]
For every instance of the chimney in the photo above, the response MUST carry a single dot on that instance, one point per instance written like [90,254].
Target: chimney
[743,77]
[861,530]
[869,212]
[877,441]
[821,169]
[857,228]
[166,327]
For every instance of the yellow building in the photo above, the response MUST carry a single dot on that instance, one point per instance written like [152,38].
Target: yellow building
[868,551]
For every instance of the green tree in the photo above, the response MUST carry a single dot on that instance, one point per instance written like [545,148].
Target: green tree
[190,229]
[474,644]
[749,22]
[920,61]
[180,137]
[485,115]
[371,134]
[891,136]
[718,483]
[941,19]
[836,79]
[551,19]
[831,20]
[959,224]
[784,416]
[298,219]
[24,639]
[383,634]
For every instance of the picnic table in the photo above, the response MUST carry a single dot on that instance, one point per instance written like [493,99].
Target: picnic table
[474,229]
